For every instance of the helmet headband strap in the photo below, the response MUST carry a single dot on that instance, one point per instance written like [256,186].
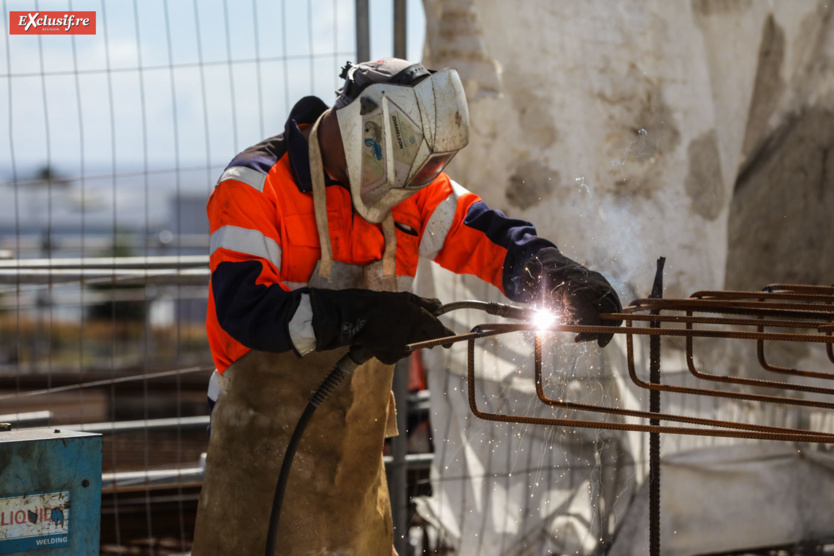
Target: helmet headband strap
[320,207]
[320,200]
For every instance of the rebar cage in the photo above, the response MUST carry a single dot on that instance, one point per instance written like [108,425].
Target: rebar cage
[778,313]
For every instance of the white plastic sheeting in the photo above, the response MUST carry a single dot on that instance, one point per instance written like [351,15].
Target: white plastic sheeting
[736,497]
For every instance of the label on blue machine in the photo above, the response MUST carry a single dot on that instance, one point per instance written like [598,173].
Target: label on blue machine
[35,521]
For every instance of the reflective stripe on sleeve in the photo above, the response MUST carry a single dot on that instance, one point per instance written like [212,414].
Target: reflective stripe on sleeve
[440,222]
[301,327]
[244,240]
[246,175]
[215,387]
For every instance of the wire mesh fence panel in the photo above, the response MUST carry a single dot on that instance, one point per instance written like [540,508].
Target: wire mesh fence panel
[114,142]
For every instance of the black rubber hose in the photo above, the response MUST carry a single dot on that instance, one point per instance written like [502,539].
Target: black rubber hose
[281,488]
[343,368]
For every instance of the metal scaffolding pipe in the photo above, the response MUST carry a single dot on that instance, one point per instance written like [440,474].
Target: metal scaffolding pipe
[112,427]
[180,477]
[121,276]
[155,477]
[166,261]
[27,419]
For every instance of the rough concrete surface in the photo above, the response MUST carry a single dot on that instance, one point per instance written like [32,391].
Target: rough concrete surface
[782,214]
[531,184]
[703,183]
[769,86]
[699,131]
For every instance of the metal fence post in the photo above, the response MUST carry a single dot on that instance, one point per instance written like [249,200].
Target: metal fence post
[399,29]
[363,28]
[398,476]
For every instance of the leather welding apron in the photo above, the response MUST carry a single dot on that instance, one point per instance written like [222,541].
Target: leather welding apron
[336,500]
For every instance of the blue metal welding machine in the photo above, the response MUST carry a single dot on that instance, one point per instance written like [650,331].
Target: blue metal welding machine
[50,492]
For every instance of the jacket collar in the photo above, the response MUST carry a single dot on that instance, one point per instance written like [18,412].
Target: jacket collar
[306,111]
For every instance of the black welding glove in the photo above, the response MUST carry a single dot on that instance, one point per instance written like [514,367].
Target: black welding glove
[381,323]
[565,284]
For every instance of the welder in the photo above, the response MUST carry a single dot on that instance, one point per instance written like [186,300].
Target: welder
[315,238]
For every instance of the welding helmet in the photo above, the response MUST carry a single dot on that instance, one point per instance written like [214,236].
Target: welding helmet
[400,124]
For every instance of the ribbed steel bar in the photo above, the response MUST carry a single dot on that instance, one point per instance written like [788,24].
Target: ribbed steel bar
[807,311]
[580,423]
[654,408]
[760,353]
[823,437]
[714,320]
[762,295]
[713,393]
[800,288]
[495,329]
[502,328]
[690,363]
[781,310]
[760,324]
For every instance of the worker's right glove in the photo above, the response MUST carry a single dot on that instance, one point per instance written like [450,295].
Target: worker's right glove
[568,286]
[381,323]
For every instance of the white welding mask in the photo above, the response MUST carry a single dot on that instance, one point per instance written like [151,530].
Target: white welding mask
[399,137]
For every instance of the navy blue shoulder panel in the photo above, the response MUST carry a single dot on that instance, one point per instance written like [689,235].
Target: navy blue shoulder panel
[518,237]
[263,156]
[255,315]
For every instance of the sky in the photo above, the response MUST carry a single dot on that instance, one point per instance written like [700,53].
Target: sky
[257,58]
[167,85]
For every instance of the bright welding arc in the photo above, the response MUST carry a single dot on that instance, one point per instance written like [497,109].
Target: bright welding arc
[543,319]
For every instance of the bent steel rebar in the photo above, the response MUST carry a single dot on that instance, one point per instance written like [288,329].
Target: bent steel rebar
[779,313]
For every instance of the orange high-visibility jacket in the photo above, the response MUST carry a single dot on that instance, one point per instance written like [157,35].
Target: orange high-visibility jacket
[265,244]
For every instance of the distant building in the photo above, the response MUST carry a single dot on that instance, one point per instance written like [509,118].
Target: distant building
[188,215]
[188,233]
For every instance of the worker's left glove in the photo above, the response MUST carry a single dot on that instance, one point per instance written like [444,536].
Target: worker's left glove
[568,286]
